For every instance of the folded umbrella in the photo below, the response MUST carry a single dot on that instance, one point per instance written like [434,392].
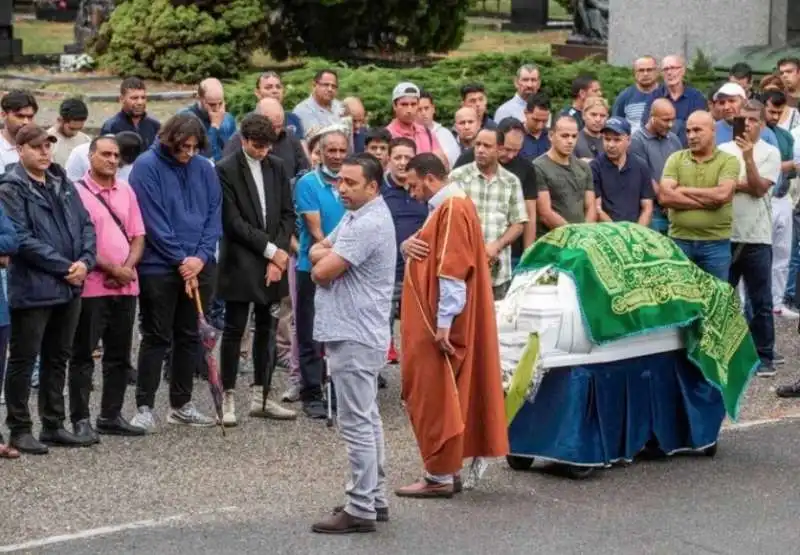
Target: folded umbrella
[208,337]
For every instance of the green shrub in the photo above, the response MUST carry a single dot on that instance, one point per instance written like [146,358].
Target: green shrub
[374,85]
[179,40]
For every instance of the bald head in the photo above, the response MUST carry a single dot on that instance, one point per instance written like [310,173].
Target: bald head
[700,133]
[662,108]
[354,108]
[211,89]
[271,109]
[466,112]
[466,124]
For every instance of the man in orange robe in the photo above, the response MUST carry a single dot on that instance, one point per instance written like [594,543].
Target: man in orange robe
[450,359]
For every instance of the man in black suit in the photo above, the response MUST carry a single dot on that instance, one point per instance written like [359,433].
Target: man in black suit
[258,221]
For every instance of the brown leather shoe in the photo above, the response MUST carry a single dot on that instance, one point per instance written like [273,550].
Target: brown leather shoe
[343,523]
[381,513]
[426,489]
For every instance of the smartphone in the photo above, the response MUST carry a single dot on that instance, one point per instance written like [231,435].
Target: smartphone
[738,127]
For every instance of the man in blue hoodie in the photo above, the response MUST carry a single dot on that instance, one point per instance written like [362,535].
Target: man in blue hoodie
[55,253]
[210,110]
[181,203]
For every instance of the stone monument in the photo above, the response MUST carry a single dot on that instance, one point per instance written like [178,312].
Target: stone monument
[91,15]
[528,15]
[10,48]
[589,35]
[715,27]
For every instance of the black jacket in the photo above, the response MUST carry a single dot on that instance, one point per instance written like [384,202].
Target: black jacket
[46,248]
[242,265]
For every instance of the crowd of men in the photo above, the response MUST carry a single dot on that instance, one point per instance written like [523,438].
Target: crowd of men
[262,218]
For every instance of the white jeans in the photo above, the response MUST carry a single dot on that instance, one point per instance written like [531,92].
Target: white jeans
[781,246]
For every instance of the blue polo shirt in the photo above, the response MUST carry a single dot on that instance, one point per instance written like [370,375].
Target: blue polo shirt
[689,102]
[622,189]
[313,194]
[147,128]
[724,134]
[532,147]
[408,216]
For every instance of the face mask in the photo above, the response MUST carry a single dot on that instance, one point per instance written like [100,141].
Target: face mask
[329,173]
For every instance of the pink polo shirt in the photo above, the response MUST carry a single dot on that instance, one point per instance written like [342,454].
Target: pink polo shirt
[425,140]
[112,245]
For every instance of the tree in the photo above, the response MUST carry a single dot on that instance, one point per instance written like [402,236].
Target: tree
[336,28]
[181,40]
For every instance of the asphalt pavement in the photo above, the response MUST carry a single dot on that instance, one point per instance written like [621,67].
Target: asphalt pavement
[191,491]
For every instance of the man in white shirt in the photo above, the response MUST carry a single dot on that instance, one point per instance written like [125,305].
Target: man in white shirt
[131,145]
[426,112]
[321,109]
[72,116]
[751,236]
[18,107]
[528,81]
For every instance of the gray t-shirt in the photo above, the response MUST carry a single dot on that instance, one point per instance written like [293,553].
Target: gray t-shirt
[356,305]
[567,186]
[587,146]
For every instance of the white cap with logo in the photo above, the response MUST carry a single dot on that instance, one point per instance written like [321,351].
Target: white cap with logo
[730,89]
[405,89]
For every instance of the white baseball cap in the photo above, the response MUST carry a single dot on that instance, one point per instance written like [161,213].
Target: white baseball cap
[730,89]
[405,89]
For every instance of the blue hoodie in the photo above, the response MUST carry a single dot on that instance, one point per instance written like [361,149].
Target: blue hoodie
[181,207]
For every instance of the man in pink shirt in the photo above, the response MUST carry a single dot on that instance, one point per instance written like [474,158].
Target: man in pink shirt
[108,302]
[405,100]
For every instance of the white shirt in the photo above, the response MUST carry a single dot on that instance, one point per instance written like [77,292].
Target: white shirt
[8,154]
[65,145]
[258,178]
[752,216]
[447,142]
[78,164]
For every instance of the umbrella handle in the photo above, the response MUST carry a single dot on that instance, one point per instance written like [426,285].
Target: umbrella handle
[197,301]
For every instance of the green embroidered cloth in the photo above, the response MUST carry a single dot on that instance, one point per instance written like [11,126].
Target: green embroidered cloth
[632,280]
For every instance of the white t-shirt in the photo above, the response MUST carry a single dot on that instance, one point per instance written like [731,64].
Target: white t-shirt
[8,154]
[77,162]
[752,216]
[65,145]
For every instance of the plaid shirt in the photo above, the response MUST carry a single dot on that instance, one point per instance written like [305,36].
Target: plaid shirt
[499,203]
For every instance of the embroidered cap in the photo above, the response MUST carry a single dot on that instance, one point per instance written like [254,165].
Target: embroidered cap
[618,126]
[405,89]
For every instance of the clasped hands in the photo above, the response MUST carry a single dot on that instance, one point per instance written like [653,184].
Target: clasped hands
[276,266]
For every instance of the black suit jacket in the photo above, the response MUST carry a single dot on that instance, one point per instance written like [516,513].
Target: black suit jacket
[242,265]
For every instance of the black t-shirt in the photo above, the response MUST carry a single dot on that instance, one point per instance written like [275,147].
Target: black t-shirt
[524,171]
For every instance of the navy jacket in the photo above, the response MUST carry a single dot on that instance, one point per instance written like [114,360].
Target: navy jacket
[8,246]
[147,128]
[181,206]
[50,238]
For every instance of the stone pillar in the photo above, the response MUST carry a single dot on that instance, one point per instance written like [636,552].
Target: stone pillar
[10,48]
[528,15]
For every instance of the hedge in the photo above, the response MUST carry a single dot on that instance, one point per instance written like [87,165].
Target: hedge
[443,80]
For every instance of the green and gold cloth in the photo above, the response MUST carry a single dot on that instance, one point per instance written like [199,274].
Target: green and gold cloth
[632,280]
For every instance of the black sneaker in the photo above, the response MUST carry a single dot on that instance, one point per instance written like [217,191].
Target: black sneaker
[382,383]
[766,370]
[788,391]
[315,409]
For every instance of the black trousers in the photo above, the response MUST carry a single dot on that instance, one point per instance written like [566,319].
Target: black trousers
[264,346]
[169,316]
[110,319]
[311,362]
[49,331]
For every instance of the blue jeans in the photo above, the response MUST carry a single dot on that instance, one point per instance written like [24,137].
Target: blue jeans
[794,262]
[713,257]
[753,264]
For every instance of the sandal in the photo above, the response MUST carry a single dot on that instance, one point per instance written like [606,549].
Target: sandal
[8,452]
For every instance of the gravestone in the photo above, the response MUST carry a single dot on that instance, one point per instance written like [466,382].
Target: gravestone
[589,37]
[91,15]
[687,26]
[10,48]
[528,15]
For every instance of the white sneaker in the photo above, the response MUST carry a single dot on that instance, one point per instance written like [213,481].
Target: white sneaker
[292,394]
[229,409]
[787,313]
[270,409]
[188,415]
[145,419]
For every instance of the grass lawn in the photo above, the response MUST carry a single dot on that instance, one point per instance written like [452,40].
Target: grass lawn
[43,37]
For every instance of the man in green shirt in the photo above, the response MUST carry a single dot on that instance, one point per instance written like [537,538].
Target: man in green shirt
[697,187]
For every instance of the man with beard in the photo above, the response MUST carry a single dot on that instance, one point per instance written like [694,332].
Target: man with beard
[497,194]
[319,210]
[622,183]
[133,115]
[321,108]
[528,81]
[451,380]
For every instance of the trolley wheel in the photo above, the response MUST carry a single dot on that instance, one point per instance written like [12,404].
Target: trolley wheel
[710,451]
[575,472]
[519,463]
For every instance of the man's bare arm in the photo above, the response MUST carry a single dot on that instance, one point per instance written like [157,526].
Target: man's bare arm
[545,210]
[529,233]
[712,197]
[753,184]
[670,196]
[314,224]
[646,214]
[590,207]
[601,214]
